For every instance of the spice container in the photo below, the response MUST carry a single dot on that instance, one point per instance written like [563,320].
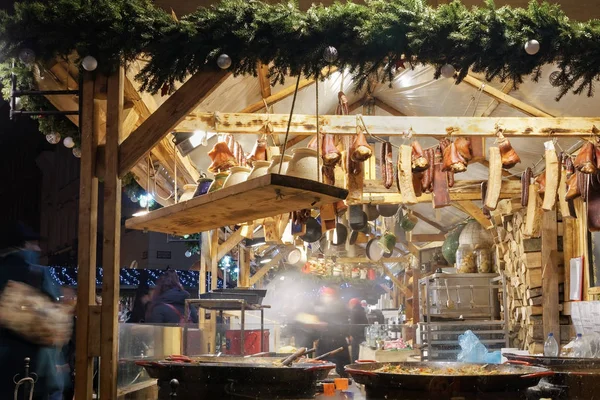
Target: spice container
[466,262]
[484,260]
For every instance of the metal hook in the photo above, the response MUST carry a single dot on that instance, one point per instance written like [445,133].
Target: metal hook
[364,127]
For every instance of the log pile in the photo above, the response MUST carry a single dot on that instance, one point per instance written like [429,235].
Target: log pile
[519,255]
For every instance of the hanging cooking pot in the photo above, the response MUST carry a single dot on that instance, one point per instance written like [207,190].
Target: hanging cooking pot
[313,231]
[325,246]
[358,222]
[353,237]
[371,211]
[374,252]
[340,235]
[387,210]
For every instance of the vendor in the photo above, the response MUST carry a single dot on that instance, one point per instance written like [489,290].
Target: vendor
[358,322]
[334,332]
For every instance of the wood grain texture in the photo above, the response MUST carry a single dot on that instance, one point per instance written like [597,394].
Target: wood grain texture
[476,212]
[86,254]
[305,124]
[168,116]
[112,239]
[550,278]
[262,197]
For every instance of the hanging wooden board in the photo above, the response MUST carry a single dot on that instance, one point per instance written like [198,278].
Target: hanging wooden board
[266,196]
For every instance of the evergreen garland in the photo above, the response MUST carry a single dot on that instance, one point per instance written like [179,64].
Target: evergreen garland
[371,39]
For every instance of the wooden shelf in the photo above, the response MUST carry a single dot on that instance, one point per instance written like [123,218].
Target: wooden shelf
[266,196]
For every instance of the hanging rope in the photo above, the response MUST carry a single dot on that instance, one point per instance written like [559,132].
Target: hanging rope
[318,132]
[287,131]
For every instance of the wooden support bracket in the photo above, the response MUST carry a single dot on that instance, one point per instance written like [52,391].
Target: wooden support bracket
[476,212]
[264,269]
[232,241]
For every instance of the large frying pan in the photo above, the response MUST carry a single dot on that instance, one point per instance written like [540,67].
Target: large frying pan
[225,377]
[557,363]
[508,378]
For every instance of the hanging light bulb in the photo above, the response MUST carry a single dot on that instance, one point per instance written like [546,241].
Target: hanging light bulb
[143,201]
[188,254]
[89,63]
[77,152]
[69,142]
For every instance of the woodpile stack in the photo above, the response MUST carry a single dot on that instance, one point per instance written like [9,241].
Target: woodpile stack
[519,255]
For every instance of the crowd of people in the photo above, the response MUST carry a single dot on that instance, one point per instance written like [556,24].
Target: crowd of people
[53,366]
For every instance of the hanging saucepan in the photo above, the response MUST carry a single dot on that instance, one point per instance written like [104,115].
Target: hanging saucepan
[371,211]
[325,246]
[339,235]
[313,231]
[357,218]
[374,252]
[387,210]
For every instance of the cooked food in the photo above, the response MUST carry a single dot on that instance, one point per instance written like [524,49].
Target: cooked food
[446,371]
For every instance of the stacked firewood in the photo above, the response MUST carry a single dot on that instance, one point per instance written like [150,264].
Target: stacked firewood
[518,253]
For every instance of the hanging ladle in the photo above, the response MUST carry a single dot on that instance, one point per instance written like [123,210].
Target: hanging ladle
[472,298]
[449,302]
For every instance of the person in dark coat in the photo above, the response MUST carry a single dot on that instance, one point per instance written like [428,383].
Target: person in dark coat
[358,322]
[19,256]
[140,304]
[334,329]
[168,301]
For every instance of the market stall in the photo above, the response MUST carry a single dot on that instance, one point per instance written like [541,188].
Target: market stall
[346,173]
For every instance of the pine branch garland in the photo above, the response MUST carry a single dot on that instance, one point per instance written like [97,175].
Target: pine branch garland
[370,38]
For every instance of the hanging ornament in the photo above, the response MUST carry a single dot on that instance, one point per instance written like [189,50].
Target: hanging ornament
[77,152]
[53,138]
[448,71]
[89,63]
[224,61]
[188,254]
[143,201]
[27,56]
[133,198]
[330,54]
[553,78]
[532,47]
[69,142]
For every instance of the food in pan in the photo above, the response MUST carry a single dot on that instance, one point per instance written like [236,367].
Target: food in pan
[445,371]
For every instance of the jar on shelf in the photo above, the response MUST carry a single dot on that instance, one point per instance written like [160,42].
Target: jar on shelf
[484,260]
[466,262]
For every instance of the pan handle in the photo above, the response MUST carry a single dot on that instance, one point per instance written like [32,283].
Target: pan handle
[518,362]
[538,374]
[353,371]
[318,367]
[365,361]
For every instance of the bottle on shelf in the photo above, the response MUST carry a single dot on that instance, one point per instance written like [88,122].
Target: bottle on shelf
[550,346]
[578,346]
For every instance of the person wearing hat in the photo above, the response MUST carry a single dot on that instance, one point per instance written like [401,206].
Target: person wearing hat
[358,322]
[19,255]
[334,328]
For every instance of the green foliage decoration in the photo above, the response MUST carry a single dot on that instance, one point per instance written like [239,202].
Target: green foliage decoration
[371,39]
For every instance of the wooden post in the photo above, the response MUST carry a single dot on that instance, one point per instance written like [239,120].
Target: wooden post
[214,272]
[112,239]
[244,263]
[88,225]
[550,300]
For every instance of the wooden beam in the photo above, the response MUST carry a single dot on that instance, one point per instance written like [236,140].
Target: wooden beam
[86,254]
[550,278]
[232,241]
[429,221]
[240,123]
[264,269]
[505,173]
[168,116]
[45,80]
[428,237]
[376,186]
[506,89]
[396,282]
[356,104]
[476,212]
[263,79]
[505,98]
[284,93]
[460,192]
[109,339]
[365,260]
[387,108]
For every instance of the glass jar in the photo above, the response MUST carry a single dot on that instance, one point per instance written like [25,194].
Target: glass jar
[484,260]
[466,262]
